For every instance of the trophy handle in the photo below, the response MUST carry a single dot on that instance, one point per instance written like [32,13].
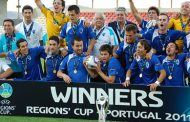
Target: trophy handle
[102,105]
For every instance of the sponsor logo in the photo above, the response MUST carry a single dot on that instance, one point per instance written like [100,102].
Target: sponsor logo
[6,90]
[5,107]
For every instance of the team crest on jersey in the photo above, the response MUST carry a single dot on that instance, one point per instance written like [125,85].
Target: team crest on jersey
[147,65]
[103,34]
[177,61]
[81,30]
[29,57]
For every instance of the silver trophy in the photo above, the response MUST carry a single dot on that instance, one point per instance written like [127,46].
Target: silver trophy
[102,105]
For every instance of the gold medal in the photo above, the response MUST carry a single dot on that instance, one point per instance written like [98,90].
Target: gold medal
[25,72]
[163,48]
[170,77]
[54,71]
[140,75]
[130,60]
[75,71]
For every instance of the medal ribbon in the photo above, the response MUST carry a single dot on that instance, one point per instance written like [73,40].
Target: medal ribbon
[56,21]
[163,39]
[183,25]
[54,65]
[27,33]
[98,35]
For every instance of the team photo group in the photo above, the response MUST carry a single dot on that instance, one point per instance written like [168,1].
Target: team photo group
[153,52]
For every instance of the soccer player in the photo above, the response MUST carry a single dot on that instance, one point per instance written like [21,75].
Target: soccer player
[53,59]
[149,68]
[29,28]
[109,68]
[160,37]
[71,68]
[76,27]
[181,22]
[120,23]
[54,19]
[104,34]
[29,60]
[5,70]
[174,66]
[153,13]
[10,37]
[8,44]
[127,48]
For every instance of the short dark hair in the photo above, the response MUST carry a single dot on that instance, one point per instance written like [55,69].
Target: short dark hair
[154,9]
[55,38]
[76,38]
[75,8]
[176,46]
[20,41]
[63,4]
[106,47]
[121,9]
[9,20]
[131,27]
[27,7]
[165,15]
[146,45]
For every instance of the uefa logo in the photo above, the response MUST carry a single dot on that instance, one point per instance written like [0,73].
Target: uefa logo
[6,90]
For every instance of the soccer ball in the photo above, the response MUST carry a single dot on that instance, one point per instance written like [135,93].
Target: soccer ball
[91,62]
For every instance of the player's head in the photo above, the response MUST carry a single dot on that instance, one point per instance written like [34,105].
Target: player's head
[143,47]
[185,8]
[77,45]
[27,12]
[54,44]
[163,21]
[99,19]
[121,14]
[130,33]
[8,25]
[74,13]
[172,49]
[22,46]
[153,13]
[59,6]
[105,52]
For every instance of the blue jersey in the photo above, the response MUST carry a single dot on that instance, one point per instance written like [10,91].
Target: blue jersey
[160,41]
[128,50]
[174,70]
[186,43]
[114,68]
[31,65]
[149,69]
[52,65]
[144,26]
[73,64]
[69,31]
